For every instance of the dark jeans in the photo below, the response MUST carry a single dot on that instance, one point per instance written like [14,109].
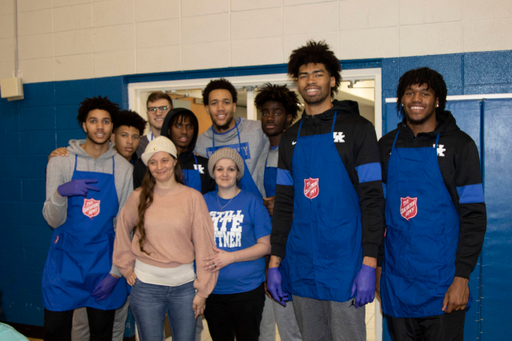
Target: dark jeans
[445,327]
[57,324]
[235,314]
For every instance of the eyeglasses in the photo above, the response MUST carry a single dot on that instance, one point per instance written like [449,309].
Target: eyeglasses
[161,109]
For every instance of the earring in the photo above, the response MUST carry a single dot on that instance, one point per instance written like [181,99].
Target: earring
[437,105]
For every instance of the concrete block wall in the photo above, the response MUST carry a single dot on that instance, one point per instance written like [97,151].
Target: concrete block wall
[82,39]
[31,129]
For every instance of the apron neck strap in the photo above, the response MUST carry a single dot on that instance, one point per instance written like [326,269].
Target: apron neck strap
[396,136]
[332,128]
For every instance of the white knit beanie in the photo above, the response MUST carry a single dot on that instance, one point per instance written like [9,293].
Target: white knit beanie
[160,144]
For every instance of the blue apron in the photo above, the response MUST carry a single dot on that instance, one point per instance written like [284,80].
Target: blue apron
[422,235]
[270,180]
[323,251]
[246,182]
[192,178]
[80,254]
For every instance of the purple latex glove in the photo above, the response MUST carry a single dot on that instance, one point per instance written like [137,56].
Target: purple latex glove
[77,187]
[274,286]
[365,286]
[104,288]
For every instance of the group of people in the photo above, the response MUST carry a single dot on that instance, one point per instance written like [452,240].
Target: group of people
[240,221]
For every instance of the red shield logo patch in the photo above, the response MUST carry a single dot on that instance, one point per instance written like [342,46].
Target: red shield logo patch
[311,188]
[91,207]
[408,207]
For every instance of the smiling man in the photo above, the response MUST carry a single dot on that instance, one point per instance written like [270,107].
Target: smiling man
[245,136]
[279,106]
[328,214]
[84,192]
[435,214]
[158,105]
[127,134]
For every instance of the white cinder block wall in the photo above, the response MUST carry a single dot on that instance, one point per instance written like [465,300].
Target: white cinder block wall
[78,39]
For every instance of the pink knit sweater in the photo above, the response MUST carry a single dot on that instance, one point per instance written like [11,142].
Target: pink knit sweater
[179,230]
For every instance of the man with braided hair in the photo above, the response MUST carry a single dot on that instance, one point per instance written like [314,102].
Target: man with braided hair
[435,214]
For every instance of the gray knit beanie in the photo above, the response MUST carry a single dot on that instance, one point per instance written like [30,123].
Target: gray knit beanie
[226,153]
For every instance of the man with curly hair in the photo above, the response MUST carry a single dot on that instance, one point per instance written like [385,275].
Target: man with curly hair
[245,136]
[435,214]
[328,214]
[279,106]
[84,192]
[127,134]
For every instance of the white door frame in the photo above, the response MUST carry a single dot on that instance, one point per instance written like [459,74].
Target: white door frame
[134,89]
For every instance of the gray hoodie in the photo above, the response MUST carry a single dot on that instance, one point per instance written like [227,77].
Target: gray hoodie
[253,141]
[60,170]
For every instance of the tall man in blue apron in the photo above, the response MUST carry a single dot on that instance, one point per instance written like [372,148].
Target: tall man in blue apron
[435,214]
[240,134]
[328,215]
[84,192]
[279,107]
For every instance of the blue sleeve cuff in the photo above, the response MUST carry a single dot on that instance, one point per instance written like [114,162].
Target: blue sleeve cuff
[471,194]
[369,172]
[284,177]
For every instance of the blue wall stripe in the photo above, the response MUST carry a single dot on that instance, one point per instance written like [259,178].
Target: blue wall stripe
[471,194]
[284,177]
[467,73]
[369,172]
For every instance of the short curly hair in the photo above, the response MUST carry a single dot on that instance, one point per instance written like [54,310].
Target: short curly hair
[424,75]
[217,84]
[131,119]
[316,53]
[281,94]
[101,103]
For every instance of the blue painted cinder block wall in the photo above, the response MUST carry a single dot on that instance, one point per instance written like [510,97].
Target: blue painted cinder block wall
[30,129]
[46,119]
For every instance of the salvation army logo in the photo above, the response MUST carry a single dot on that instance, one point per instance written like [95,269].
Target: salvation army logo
[91,207]
[311,188]
[408,207]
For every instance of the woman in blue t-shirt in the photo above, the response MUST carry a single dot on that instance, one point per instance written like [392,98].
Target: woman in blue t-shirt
[242,235]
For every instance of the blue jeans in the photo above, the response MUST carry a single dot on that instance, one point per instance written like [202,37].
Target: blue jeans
[150,303]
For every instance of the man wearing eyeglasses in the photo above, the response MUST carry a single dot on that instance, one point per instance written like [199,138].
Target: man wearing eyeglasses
[158,105]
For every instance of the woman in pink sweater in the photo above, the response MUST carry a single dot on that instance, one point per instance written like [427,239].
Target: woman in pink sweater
[171,228]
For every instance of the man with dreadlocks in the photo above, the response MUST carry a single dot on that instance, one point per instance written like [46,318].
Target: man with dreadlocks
[435,214]
[279,107]
[84,192]
[328,214]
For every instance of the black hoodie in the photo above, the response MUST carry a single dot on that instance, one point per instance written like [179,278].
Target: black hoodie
[460,166]
[186,159]
[359,147]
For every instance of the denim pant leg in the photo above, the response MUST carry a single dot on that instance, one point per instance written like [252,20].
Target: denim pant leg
[148,303]
[180,313]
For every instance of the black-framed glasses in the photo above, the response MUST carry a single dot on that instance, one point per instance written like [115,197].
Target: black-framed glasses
[161,109]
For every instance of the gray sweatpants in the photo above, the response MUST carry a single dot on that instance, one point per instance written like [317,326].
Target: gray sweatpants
[329,320]
[80,331]
[286,322]
[268,322]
